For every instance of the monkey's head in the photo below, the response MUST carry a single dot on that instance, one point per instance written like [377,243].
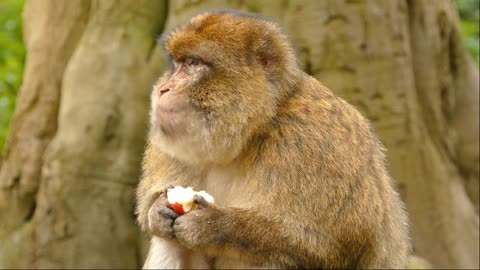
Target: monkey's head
[228,71]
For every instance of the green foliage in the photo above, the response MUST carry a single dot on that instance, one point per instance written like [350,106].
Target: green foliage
[12,58]
[469,15]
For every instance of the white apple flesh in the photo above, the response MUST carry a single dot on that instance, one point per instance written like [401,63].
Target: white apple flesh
[181,199]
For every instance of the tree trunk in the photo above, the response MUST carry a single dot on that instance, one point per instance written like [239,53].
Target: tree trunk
[72,161]
[90,66]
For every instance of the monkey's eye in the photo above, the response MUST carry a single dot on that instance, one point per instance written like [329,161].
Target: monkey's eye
[193,61]
[175,64]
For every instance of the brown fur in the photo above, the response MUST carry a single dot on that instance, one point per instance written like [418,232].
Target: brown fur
[297,173]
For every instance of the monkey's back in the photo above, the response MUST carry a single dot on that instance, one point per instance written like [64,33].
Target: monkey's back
[333,159]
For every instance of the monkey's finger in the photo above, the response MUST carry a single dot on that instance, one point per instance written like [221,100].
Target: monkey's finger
[167,212]
[166,188]
[200,200]
[154,197]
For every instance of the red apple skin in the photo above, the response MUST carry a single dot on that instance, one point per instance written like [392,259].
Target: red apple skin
[177,208]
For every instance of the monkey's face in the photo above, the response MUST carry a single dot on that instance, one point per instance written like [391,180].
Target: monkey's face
[178,125]
[173,110]
[215,95]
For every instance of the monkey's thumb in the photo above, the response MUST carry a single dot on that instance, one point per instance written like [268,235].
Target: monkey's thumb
[201,201]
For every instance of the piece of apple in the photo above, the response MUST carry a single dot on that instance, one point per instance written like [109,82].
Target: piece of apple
[181,199]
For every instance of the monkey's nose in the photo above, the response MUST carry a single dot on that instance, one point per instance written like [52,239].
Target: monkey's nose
[163,91]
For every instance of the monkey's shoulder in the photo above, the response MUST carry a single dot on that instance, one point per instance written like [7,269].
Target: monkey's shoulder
[316,112]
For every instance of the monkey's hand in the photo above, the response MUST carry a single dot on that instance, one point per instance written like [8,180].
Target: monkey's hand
[197,229]
[161,217]
[230,231]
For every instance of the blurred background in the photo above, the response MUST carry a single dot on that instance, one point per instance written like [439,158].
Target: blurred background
[75,78]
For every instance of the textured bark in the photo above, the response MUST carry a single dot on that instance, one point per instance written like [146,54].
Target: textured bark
[69,200]
[400,62]
[34,122]
[447,91]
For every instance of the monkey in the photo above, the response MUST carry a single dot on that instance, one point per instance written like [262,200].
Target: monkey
[298,174]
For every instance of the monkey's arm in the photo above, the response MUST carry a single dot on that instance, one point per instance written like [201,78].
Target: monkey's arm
[159,171]
[244,233]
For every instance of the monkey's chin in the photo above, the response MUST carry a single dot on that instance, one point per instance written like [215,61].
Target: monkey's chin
[195,145]
[171,124]
[180,135]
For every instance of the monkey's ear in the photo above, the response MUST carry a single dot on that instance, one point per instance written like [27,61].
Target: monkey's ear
[269,53]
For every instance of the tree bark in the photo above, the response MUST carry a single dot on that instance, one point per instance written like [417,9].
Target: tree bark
[75,144]
[34,123]
[77,138]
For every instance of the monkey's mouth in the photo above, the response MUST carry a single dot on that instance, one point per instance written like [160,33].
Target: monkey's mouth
[171,110]
[178,121]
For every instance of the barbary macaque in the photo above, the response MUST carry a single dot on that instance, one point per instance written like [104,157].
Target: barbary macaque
[298,174]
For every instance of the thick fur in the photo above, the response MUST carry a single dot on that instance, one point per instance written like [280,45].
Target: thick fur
[298,174]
